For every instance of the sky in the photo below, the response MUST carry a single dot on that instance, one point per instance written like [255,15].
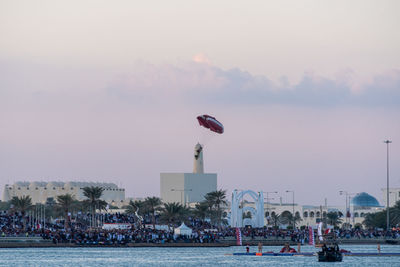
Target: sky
[110,90]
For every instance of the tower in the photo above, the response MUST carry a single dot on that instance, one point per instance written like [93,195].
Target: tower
[198,166]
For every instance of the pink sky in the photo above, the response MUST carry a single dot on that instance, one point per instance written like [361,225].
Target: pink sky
[111,92]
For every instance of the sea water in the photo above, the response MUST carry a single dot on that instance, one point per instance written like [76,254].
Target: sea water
[167,256]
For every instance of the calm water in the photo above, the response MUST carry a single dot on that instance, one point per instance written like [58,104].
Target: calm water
[178,257]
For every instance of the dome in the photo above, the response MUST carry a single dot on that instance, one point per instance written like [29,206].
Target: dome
[364,200]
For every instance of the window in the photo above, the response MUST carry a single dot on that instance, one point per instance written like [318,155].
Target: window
[19,188]
[62,188]
[72,188]
[266,214]
[356,214]
[36,188]
[312,214]
[305,214]
[318,214]
[45,188]
[27,188]
[54,188]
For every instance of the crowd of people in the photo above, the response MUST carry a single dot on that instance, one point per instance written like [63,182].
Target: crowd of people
[79,231]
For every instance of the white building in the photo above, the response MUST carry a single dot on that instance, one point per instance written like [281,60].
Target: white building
[188,187]
[394,196]
[360,205]
[40,192]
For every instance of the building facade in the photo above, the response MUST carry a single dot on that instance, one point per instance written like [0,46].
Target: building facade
[186,188]
[40,192]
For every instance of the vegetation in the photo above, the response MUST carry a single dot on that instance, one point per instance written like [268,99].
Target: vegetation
[93,195]
[333,219]
[65,202]
[22,205]
[215,200]
[378,219]
[152,205]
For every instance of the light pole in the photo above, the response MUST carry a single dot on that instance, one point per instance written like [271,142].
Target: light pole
[348,198]
[287,191]
[182,190]
[387,142]
[272,192]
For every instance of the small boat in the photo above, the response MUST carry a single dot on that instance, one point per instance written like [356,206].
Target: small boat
[330,254]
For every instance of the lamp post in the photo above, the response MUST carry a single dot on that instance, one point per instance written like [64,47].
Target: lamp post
[182,190]
[387,142]
[267,198]
[348,200]
[287,191]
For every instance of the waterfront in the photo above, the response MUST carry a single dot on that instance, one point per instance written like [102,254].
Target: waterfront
[179,257]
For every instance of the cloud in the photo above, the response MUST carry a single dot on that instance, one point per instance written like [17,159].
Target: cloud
[202,83]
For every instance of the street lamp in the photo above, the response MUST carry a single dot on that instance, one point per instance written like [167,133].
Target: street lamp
[348,198]
[387,142]
[271,192]
[182,190]
[287,191]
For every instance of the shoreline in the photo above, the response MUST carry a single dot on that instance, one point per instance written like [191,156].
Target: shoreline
[266,243]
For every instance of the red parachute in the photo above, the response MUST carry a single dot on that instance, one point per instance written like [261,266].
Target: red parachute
[211,123]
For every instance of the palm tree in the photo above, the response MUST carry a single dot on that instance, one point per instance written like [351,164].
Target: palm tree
[135,208]
[65,202]
[22,204]
[218,198]
[171,212]
[395,213]
[333,219]
[152,204]
[93,195]
[275,220]
[201,210]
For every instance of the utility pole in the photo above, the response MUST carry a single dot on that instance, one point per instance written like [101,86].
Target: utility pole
[387,142]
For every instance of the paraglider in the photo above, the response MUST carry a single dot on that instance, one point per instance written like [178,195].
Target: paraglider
[211,123]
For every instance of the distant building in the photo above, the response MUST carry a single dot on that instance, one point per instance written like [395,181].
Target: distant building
[394,196]
[40,192]
[360,205]
[186,188]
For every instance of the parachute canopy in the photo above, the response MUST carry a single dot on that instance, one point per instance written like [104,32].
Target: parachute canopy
[211,123]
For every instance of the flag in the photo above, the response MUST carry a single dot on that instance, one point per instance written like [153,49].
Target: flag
[238,236]
[311,240]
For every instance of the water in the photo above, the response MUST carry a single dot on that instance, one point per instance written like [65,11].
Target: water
[180,257]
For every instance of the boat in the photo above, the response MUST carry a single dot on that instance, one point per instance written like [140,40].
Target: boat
[312,254]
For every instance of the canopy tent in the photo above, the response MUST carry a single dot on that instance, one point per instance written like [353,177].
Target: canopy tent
[183,230]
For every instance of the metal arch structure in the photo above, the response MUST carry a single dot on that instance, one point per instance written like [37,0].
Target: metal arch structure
[237,211]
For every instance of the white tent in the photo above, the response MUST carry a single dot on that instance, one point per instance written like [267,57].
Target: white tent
[183,230]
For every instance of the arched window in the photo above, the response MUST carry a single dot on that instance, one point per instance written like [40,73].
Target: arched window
[362,214]
[305,214]
[324,214]
[267,214]
[273,213]
[312,214]
[318,214]
[297,214]
[356,214]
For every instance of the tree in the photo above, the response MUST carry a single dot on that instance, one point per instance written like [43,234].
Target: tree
[136,208]
[201,210]
[65,202]
[217,198]
[153,204]
[22,204]
[93,195]
[333,218]
[275,220]
[171,212]
[395,214]
[375,220]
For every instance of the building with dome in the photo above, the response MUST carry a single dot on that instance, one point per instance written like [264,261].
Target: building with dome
[40,192]
[364,201]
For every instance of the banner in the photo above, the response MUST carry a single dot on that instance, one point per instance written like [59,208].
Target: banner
[238,236]
[311,240]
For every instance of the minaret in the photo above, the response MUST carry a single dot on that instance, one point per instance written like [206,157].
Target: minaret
[198,166]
